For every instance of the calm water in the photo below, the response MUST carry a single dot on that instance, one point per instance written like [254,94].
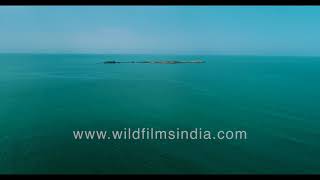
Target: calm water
[43,98]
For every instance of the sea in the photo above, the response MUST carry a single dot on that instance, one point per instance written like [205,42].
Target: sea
[45,97]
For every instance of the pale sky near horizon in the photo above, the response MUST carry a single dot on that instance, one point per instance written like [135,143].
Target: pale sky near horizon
[267,30]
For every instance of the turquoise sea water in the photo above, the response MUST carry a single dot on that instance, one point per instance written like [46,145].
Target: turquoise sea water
[44,97]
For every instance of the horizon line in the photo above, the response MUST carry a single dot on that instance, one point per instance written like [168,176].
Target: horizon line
[178,54]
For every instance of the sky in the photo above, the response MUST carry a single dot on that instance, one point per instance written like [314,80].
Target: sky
[261,30]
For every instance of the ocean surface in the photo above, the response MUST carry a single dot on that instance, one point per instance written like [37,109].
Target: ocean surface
[44,97]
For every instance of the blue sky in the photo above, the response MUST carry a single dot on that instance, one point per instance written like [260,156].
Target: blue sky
[267,30]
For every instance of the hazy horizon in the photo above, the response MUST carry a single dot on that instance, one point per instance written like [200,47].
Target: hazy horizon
[213,30]
[169,54]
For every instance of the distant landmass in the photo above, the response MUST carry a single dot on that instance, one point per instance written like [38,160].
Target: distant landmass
[156,62]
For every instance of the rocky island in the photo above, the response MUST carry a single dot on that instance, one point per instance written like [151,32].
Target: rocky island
[156,62]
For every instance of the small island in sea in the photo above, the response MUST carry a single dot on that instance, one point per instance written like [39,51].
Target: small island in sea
[156,62]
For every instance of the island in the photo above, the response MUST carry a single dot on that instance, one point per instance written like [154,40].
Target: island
[156,62]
